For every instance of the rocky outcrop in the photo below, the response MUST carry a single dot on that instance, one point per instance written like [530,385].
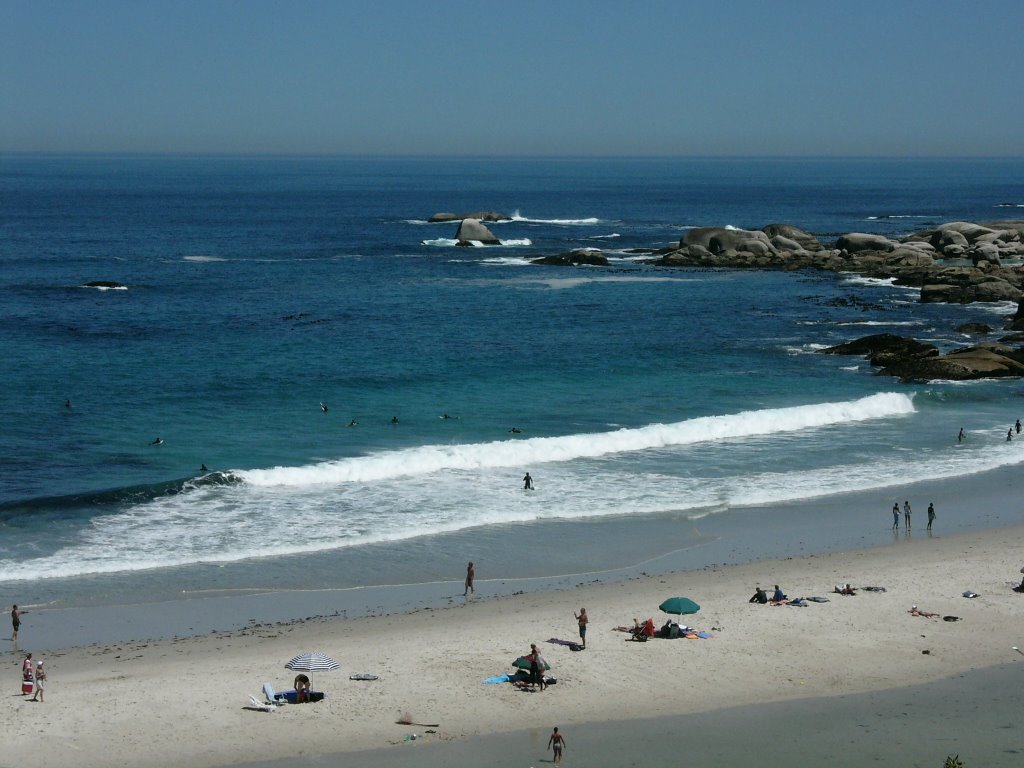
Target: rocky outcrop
[471,231]
[478,215]
[776,246]
[992,242]
[582,256]
[916,260]
[912,360]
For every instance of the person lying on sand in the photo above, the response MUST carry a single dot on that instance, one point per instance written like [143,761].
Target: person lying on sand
[914,611]
[847,590]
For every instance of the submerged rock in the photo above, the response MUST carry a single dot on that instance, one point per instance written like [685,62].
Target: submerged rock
[912,360]
[588,256]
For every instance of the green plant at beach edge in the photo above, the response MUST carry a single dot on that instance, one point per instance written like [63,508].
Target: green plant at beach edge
[953,762]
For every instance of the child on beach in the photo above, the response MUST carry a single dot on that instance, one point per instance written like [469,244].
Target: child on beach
[556,743]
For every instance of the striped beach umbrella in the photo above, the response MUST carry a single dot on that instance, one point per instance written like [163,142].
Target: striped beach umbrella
[312,662]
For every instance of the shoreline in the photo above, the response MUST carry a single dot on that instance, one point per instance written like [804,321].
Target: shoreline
[189,695]
[673,544]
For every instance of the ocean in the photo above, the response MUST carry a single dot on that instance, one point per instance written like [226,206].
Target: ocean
[657,409]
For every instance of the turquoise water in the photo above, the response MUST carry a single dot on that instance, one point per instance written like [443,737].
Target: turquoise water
[257,289]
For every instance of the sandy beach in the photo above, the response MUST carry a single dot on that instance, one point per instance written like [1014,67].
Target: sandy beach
[184,701]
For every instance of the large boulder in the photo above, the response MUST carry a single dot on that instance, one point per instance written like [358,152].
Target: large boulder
[806,241]
[856,242]
[472,231]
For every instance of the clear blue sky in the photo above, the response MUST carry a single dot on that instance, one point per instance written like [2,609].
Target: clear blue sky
[689,77]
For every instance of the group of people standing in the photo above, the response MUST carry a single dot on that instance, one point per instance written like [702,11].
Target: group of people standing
[907,513]
[33,678]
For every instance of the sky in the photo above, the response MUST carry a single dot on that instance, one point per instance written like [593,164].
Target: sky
[553,78]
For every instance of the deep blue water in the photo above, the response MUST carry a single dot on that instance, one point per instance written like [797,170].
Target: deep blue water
[257,288]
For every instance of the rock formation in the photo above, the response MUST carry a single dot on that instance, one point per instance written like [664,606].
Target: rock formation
[912,360]
[471,230]
[589,256]
[479,215]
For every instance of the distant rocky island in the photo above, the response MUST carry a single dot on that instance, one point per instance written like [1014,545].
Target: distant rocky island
[957,262]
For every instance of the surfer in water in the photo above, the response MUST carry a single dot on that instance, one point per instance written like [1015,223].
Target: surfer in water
[158,441]
[203,468]
[961,436]
[527,482]
[516,431]
[67,404]
[394,419]
[353,423]
[323,406]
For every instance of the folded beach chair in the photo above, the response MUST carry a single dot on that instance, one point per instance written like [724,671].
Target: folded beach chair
[271,697]
[255,704]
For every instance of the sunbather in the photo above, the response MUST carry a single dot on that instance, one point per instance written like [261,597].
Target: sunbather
[847,590]
[914,611]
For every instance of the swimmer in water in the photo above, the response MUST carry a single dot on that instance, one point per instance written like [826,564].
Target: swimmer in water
[67,404]
[323,406]
[394,419]
[353,423]
[515,430]
[203,468]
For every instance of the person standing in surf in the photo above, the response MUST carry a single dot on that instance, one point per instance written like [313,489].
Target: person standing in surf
[906,514]
[470,575]
[527,482]
[931,515]
[896,516]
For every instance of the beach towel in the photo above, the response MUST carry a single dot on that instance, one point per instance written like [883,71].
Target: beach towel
[818,599]
[571,644]
[873,589]
[951,618]
[498,679]
[363,676]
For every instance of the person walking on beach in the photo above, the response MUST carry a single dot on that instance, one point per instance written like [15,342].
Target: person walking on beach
[527,482]
[931,515]
[581,619]
[40,683]
[556,743]
[536,667]
[470,575]
[896,516]
[906,514]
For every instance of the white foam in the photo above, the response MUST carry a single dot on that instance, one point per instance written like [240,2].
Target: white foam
[538,450]
[202,259]
[516,216]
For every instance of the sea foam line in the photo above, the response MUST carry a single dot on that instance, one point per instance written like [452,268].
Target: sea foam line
[537,450]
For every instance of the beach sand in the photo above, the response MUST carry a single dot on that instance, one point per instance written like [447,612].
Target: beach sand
[183,701]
